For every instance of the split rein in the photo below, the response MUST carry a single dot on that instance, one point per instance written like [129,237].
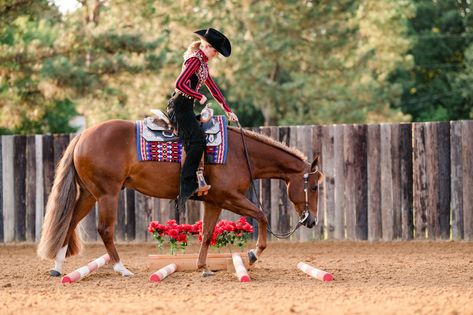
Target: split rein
[305,213]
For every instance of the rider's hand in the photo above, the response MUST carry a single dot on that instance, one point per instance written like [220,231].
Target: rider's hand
[203,100]
[232,116]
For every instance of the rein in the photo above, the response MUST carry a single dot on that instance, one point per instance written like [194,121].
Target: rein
[305,212]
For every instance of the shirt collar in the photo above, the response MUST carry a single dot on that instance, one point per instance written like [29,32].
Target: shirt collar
[204,57]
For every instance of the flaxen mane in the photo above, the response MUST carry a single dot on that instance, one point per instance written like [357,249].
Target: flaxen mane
[272,142]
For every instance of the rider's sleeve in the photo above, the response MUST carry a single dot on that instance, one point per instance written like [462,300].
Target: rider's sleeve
[214,90]
[183,81]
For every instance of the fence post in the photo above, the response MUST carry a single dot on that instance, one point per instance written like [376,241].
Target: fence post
[338,146]
[420,181]
[375,231]
[30,188]
[406,182]
[467,144]
[329,181]
[39,185]
[443,179]
[456,171]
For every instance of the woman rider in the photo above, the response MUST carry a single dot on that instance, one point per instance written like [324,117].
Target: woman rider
[194,74]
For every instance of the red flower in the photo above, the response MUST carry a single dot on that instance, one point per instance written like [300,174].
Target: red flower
[182,238]
[171,223]
[172,233]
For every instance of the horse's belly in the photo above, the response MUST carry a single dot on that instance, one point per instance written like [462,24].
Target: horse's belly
[156,179]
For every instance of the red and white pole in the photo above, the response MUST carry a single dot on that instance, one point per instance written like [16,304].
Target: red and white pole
[162,273]
[84,271]
[314,272]
[240,269]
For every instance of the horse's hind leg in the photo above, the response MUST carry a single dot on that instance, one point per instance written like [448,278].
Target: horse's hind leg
[211,215]
[84,204]
[108,205]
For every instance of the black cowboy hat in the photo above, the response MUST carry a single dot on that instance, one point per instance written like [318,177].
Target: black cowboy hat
[218,41]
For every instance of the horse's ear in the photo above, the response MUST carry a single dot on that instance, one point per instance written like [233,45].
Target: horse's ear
[315,164]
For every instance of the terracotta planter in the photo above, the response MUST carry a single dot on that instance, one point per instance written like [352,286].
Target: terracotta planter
[188,262]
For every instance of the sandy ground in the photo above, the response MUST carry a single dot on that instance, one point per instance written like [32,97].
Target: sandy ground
[380,278]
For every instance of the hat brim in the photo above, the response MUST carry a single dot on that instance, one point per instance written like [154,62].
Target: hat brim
[223,48]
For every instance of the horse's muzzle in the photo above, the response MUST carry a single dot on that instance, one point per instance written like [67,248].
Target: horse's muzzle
[310,222]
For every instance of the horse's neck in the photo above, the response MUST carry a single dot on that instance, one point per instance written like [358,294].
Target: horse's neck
[272,162]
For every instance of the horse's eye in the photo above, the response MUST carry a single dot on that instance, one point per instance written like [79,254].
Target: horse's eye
[313,188]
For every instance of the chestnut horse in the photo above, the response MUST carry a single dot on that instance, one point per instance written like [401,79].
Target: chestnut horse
[102,160]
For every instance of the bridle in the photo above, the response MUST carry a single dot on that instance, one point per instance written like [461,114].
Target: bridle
[306,210]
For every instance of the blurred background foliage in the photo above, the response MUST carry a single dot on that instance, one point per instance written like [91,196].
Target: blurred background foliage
[293,62]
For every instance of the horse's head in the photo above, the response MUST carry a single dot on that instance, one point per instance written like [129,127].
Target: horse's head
[303,191]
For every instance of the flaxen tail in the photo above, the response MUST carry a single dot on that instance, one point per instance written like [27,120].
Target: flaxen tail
[60,208]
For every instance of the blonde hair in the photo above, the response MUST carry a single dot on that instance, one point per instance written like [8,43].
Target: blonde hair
[192,47]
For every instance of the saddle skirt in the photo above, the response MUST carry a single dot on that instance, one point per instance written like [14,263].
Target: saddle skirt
[156,141]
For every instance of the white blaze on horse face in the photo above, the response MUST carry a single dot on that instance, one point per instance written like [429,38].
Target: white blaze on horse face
[59,260]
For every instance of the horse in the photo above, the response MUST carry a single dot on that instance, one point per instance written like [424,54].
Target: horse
[102,160]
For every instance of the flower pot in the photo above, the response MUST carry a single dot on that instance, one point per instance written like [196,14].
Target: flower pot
[188,262]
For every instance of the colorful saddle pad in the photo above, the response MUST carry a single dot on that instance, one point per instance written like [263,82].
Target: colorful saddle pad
[155,143]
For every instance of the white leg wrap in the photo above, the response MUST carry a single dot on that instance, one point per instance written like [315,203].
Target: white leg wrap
[118,267]
[59,260]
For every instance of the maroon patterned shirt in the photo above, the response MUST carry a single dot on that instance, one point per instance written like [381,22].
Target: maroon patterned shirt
[195,72]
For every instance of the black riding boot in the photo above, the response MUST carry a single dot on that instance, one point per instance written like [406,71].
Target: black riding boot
[194,144]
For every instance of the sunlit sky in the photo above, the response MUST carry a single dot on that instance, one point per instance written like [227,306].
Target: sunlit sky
[66,5]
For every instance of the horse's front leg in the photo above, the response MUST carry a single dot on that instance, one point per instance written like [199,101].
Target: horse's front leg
[211,215]
[245,207]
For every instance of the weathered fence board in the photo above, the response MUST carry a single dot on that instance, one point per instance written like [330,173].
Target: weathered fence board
[143,210]
[328,168]
[19,175]
[456,187]
[374,184]
[39,197]
[467,144]
[396,179]
[387,198]
[339,217]
[8,193]
[421,195]
[431,146]
[48,167]
[30,188]
[405,134]
[443,140]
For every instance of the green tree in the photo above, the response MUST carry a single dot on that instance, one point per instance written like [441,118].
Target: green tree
[435,88]
[52,66]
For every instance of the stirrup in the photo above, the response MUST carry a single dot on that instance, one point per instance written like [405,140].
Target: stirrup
[203,188]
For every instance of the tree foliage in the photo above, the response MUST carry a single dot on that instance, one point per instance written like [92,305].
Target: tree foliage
[436,87]
[293,62]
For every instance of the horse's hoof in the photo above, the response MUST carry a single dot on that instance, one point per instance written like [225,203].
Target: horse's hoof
[127,273]
[252,256]
[207,273]
[54,273]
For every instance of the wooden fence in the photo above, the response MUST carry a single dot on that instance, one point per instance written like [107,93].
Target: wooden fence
[383,182]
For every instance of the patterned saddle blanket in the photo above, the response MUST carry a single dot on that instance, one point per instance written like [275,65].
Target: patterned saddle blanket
[155,141]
